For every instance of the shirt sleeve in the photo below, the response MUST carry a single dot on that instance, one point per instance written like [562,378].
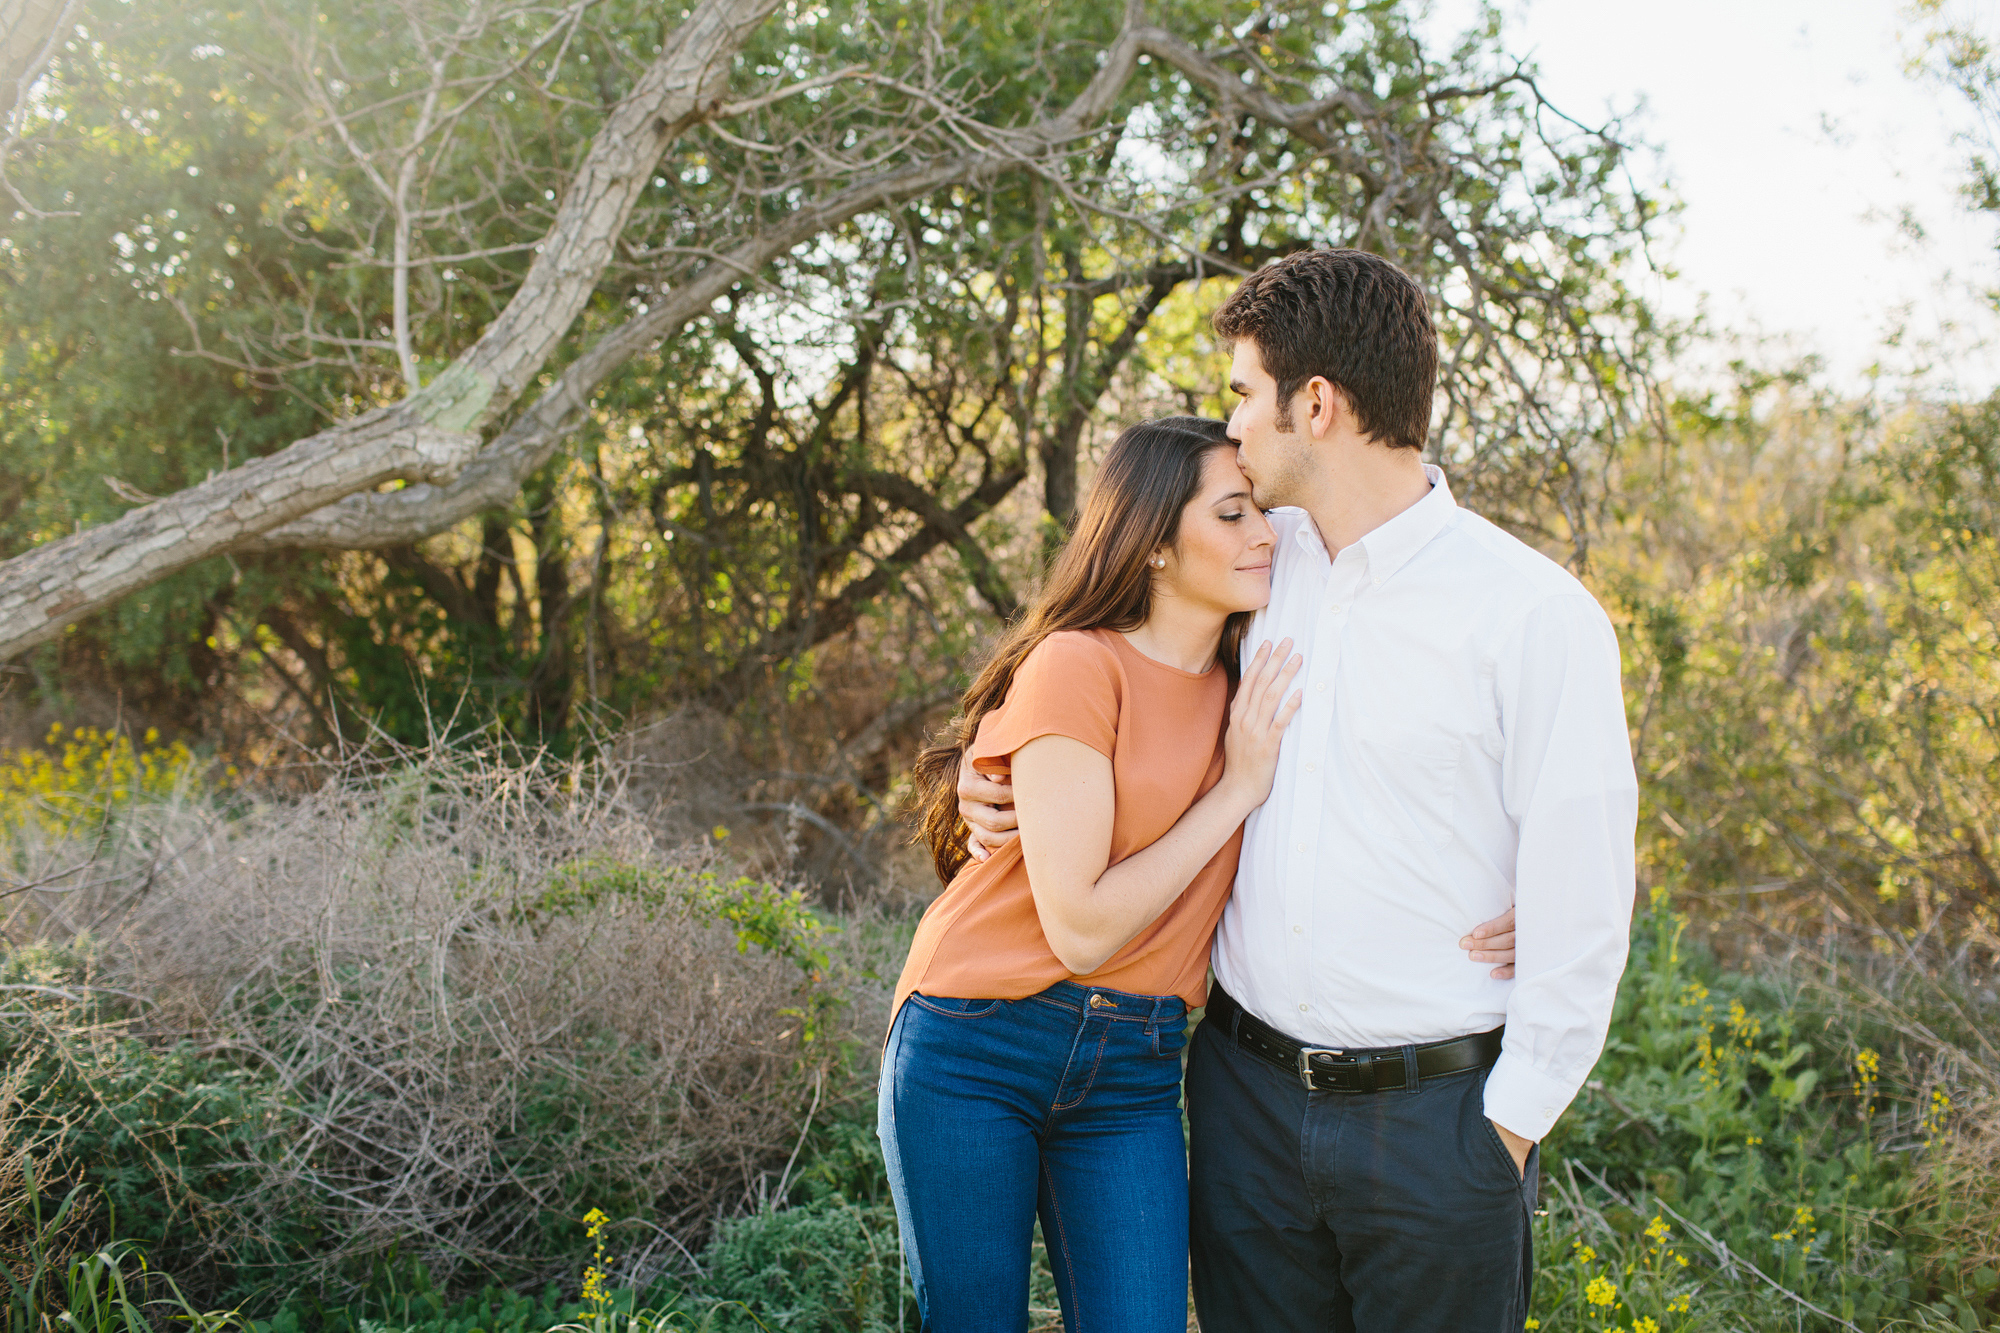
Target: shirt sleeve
[1068,686]
[1567,782]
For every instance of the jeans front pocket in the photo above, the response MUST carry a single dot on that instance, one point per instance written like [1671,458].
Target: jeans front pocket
[949,1007]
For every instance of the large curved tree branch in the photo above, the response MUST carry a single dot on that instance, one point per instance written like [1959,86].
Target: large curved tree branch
[433,432]
[371,521]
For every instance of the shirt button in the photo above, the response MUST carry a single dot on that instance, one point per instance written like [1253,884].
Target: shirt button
[1312,768]
[1321,687]
[1333,606]
[1302,846]
[1304,1007]
[1375,583]
[1298,930]
[1548,1111]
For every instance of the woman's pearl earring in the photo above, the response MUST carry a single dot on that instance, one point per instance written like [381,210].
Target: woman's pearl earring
[1158,563]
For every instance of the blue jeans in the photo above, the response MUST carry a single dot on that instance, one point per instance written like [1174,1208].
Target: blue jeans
[1065,1104]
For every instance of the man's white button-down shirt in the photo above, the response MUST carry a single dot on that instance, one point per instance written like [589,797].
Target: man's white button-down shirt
[1462,746]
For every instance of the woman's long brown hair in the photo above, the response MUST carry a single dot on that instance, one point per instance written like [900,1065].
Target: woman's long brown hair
[1100,580]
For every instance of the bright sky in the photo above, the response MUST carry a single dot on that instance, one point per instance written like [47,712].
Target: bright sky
[1796,140]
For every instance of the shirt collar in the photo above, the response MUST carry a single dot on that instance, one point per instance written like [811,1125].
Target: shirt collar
[1389,547]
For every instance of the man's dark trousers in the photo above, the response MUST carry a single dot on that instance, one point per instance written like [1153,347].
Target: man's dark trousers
[1385,1212]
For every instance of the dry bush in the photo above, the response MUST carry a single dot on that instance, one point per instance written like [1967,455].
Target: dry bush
[490,999]
[1958,1187]
[798,805]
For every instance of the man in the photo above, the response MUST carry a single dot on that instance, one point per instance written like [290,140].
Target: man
[1363,1102]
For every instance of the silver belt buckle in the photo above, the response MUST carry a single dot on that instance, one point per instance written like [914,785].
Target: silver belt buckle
[1306,1053]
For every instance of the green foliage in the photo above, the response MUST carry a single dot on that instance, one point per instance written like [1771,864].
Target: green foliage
[1717,1106]
[829,1264]
[1811,597]
[813,491]
[101,1290]
[417,1308]
[162,1138]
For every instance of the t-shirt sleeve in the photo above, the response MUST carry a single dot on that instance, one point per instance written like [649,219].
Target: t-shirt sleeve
[1068,686]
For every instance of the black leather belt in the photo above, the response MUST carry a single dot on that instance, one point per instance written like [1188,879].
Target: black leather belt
[1377,1069]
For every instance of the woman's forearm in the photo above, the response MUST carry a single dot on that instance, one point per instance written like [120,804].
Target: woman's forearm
[1088,923]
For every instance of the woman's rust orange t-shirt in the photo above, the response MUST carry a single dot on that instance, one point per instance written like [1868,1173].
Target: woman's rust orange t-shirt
[1162,730]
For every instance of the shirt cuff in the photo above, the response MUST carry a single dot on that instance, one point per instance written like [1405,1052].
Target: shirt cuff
[1521,1098]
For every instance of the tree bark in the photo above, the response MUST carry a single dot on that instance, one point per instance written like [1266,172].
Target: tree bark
[65,580]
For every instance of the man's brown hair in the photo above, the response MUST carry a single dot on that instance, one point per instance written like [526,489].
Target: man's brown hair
[1353,318]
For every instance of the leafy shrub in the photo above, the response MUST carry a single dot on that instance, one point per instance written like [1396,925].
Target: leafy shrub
[1737,1160]
[162,1138]
[829,1264]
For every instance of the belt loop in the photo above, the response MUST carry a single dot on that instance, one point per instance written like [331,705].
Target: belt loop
[1410,1075]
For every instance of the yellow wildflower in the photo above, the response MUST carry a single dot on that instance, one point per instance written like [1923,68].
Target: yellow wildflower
[1867,1065]
[1601,1291]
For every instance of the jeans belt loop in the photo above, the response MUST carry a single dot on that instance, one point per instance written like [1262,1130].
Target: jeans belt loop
[1411,1078]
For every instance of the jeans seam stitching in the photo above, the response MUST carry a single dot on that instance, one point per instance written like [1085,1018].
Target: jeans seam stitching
[1096,1063]
[1062,1234]
[1055,1104]
[918,1000]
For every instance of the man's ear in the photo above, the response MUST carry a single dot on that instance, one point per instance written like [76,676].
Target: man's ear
[1325,406]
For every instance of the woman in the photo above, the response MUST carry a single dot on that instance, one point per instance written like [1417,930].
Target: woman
[1033,1061]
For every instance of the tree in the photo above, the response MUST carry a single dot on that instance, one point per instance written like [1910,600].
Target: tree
[852,276]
